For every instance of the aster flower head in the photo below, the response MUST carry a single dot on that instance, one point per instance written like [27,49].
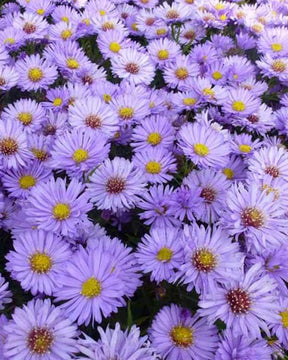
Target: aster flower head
[37,260]
[115,184]
[5,294]
[280,328]
[203,145]
[58,207]
[245,305]
[243,144]
[39,329]
[175,12]
[179,336]
[163,51]
[272,42]
[270,67]
[215,259]
[8,78]
[160,253]
[32,26]
[90,288]
[11,38]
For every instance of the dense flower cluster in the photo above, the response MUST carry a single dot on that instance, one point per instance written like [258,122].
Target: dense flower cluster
[144,180]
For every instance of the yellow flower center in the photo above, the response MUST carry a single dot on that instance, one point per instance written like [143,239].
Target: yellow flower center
[134,27]
[9,40]
[201,149]
[219,6]
[65,19]
[40,263]
[39,154]
[57,102]
[61,211]
[27,181]
[154,138]
[245,148]
[35,74]
[229,173]
[66,34]
[217,75]
[189,101]
[257,28]
[91,288]
[39,341]
[164,254]
[182,336]
[126,113]
[72,64]
[25,118]
[276,47]
[107,98]
[223,17]
[80,155]
[161,31]
[284,318]
[107,26]
[40,12]
[102,12]
[278,66]
[181,73]
[208,92]
[153,167]
[114,47]
[238,106]
[163,54]
[204,260]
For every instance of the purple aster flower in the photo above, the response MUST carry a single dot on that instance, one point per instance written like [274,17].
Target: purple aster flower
[8,78]
[160,253]
[58,207]
[280,329]
[57,99]
[214,258]
[245,305]
[270,67]
[254,213]
[203,145]
[157,164]
[91,75]
[272,161]
[13,145]
[115,343]
[240,102]
[90,287]
[187,100]
[32,26]
[111,42]
[3,322]
[242,348]
[55,124]
[91,112]
[78,151]
[191,31]
[179,336]
[5,294]
[235,169]
[35,73]
[163,51]
[63,32]
[115,184]
[39,330]
[175,12]
[37,260]
[40,7]
[27,112]
[19,182]
[155,204]
[238,68]
[243,144]
[213,186]
[133,68]
[256,88]
[273,42]
[11,38]
[39,147]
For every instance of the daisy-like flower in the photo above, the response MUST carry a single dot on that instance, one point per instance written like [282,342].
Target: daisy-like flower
[245,305]
[37,260]
[254,213]
[272,161]
[19,182]
[177,335]
[8,78]
[235,169]
[90,287]
[91,75]
[272,41]
[39,330]
[175,12]
[177,73]
[39,147]
[214,258]
[274,67]
[5,294]
[26,112]
[240,102]
[78,151]
[213,186]
[58,207]
[187,100]
[92,113]
[115,184]
[132,66]
[115,343]
[243,347]
[243,144]
[13,145]
[203,145]
[163,51]
[153,132]
[11,38]
[40,7]
[160,253]
[56,99]
[32,26]
[157,164]
[280,329]
[155,204]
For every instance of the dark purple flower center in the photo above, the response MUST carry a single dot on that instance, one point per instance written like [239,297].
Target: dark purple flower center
[40,340]
[272,171]
[29,28]
[150,21]
[93,121]
[132,68]
[208,194]
[2,81]
[49,130]
[238,300]
[253,119]
[87,79]
[115,185]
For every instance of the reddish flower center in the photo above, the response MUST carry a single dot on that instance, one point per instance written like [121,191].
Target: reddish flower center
[87,79]
[40,340]
[132,68]
[29,28]
[8,146]
[252,217]
[189,35]
[150,21]
[253,119]
[2,81]
[272,171]
[115,185]
[49,130]
[208,194]
[238,300]
[204,260]
[93,121]
[172,14]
